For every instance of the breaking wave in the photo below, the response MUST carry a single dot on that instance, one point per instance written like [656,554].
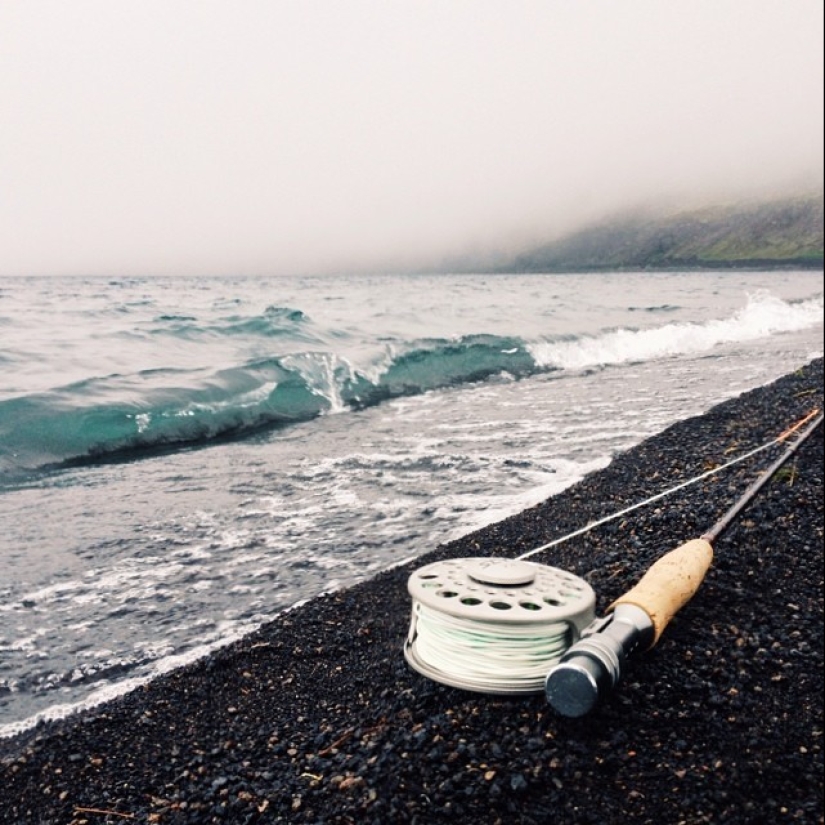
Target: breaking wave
[121,416]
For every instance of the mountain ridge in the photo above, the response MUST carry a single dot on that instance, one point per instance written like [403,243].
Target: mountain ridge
[780,233]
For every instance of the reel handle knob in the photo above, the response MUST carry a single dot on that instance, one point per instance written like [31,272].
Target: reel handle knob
[670,583]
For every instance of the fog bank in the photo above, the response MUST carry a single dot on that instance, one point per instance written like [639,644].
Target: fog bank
[268,137]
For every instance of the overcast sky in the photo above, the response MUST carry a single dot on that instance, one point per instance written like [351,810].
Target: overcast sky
[277,136]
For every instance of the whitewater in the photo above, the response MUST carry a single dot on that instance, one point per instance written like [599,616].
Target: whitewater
[182,459]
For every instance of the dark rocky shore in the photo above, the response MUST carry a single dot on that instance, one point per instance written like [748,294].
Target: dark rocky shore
[317,718]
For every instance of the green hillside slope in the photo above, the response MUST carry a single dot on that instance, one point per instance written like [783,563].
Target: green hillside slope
[778,233]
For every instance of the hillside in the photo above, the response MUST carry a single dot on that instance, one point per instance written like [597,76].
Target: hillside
[786,232]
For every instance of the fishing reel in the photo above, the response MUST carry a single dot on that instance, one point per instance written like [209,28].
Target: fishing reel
[494,625]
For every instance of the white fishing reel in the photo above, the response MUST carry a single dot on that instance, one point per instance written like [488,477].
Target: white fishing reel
[494,625]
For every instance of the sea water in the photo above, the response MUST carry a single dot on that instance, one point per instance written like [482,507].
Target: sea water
[181,459]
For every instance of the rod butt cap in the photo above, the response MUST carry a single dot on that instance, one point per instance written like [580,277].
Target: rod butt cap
[572,687]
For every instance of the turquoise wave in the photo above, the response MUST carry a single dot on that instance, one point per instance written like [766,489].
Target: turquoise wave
[121,417]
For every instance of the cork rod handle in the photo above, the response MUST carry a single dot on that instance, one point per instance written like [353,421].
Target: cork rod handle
[670,583]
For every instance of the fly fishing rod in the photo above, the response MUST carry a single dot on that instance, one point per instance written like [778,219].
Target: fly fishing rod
[592,667]
[510,626]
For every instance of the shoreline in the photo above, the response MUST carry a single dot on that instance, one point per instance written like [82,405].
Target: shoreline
[316,717]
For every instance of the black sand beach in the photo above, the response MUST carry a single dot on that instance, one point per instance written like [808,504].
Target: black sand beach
[317,718]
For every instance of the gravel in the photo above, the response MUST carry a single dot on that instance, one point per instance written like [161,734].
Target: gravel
[317,718]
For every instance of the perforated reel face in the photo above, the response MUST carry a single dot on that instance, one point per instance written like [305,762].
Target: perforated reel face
[494,625]
[508,591]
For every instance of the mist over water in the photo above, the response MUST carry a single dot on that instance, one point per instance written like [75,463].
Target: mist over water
[414,410]
[283,138]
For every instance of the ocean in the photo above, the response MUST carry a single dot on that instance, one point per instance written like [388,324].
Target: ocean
[181,459]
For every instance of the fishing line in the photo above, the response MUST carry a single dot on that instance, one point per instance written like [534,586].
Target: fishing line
[498,625]
[695,480]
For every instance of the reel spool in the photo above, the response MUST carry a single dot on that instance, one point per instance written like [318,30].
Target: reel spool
[494,625]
